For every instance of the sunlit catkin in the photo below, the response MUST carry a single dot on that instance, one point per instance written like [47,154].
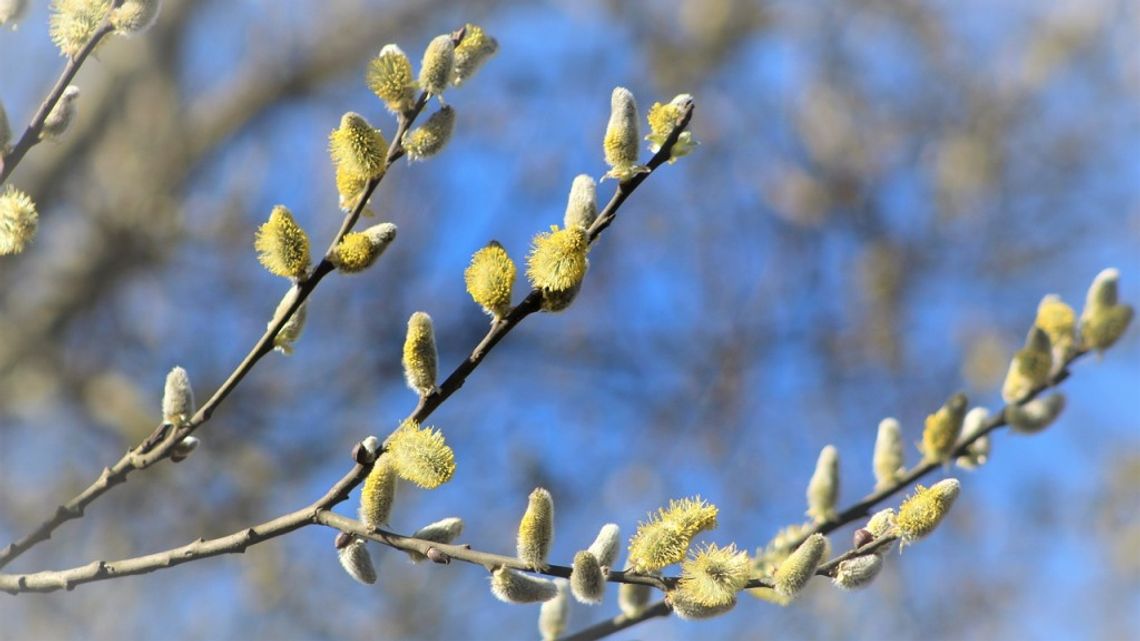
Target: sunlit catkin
[858,572]
[978,450]
[389,76]
[942,429]
[686,607]
[882,522]
[1059,323]
[177,397]
[135,16]
[61,115]
[582,204]
[633,597]
[922,512]
[557,262]
[292,328]
[605,545]
[354,558]
[184,448]
[663,119]
[421,455]
[587,581]
[714,575]
[349,187]
[357,147]
[475,49]
[490,278]
[536,529]
[421,360]
[796,570]
[622,140]
[1104,319]
[823,489]
[1036,415]
[74,22]
[282,246]
[554,614]
[431,137]
[1030,367]
[511,586]
[18,220]
[357,251]
[438,62]
[378,493]
[441,531]
[665,538]
[888,461]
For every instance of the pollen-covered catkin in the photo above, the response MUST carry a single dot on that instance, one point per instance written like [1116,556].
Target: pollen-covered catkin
[511,586]
[940,435]
[421,455]
[687,608]
[665,538]
[378,493]
[357,147]
[18,220]
[796,570]
[922,512]
[390,77]
[490,279]
[420,356]
[282,246]
[712,577]
[1030,367]
[1104,319]
[823,490]
[74,22]
[888,459]
[431,137]
[438,62]
[622,140]
[292,328]
[177,397]
[357,251]
[663,119]
[475,49]
[536,529]
[557,264]
[587,581]
[1059,323]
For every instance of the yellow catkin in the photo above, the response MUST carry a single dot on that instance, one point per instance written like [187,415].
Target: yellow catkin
[685,607]
[621,141]
[475,49]
[421,360]
[421,455]
[557,261]
[389,76]
[1030,368]
[536,529]
[665,538]
[18,220]
[378,493]
[1059,323]
[282,246]
[796,570]
[712,577]
[1104,319]
[430,138]
[292,328]
[437,65]
[135,16]
[357,251]
[357,147]
[663,118]
[922,512]
[940,435]
[823,490]
[490,279]
[74,22]
[349,187]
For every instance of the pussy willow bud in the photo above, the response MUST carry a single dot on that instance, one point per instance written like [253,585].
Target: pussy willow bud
[442,531]
[1036,415]
[357,251]
[1104,320]
[349,187]
[18,220]
[712,577]
[622,139]
[861,537]
[420,356]
[177,398]
[554,614]
[371,444]
[356,560]
[796,570]
[511,586]
[663,119]
[823,490]
[858,572]
[942,429]
[430,138]
[557,262]
[881,522]
[633,597]
[582,205]
[536,529]
[605,545]
[1059,323]
[587,581]
[357,147]
[421,456]
[292,328]
[1029,368]
[184,448]
[135,16]
[557,301]
[978,451]
[888,459]
[665,538]
[61,115]
[476,48]
[490,279]
[922,512]
[74,22]
[282,246]
[437,65]
[11,12]
[379,492]
[687,608]
[389,76]
[1104,291]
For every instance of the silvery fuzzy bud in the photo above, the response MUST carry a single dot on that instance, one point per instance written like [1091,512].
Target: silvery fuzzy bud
[512,586]
[582,204]
[553,614]
[61,114]
[605,545]
[823,490]
[355,559]
[438,62]
[177,398]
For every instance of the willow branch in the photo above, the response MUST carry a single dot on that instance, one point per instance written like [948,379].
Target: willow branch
[31,134]
[158,444]
[619,623]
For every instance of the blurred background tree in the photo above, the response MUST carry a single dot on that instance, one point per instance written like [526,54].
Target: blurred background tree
[883,192]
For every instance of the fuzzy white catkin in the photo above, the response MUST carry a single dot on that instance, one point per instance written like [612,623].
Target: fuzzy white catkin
[177,397]
[553,614]
[582,204]
[605,546]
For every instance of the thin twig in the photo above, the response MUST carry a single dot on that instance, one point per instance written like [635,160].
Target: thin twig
[619,623]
